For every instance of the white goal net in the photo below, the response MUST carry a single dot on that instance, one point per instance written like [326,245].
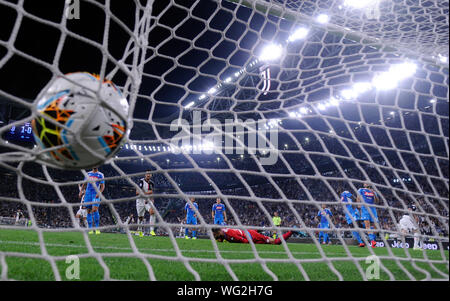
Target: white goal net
[270,106]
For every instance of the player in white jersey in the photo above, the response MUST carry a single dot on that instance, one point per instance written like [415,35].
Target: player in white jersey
[182,230]
[410,225]
[129,220]
[145,204]
[19,215]
[82,212]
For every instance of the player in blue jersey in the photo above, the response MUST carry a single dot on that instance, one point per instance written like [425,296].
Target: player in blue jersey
[92,197]
[352,216]
[218,213]
[324,223]
[190,218]
[367,197]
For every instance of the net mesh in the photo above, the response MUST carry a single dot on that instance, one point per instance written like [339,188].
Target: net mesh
[358,94]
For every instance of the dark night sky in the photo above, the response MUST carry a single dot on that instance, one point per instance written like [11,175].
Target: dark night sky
[24,78]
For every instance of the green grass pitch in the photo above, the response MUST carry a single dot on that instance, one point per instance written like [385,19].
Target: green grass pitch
[168,264]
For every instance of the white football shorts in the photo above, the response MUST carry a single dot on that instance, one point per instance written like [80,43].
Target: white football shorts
[407,224]
[82,212]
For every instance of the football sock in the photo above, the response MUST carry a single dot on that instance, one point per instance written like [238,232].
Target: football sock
[357,237]
[416,240]
[186,231]
[285,236]
[96,218]
[151,221]
[139,228]
[89,219]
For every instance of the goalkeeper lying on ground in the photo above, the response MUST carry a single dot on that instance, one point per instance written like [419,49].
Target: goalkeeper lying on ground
[239,236]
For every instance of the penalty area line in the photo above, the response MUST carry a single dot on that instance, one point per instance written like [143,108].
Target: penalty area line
[37,244]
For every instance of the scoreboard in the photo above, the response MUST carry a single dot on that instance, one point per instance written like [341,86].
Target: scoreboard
[22,132]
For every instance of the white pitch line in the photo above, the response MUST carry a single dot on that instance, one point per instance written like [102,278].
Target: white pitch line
[156,250]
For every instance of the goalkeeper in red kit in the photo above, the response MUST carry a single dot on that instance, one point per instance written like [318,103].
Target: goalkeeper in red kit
[239,236]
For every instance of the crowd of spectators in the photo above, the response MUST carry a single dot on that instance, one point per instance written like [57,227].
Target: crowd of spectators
[297,201]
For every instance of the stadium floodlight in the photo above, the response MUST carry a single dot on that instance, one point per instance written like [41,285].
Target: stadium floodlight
[359,3]
[392,113]
[271,52]
[303,110]
[323,18]
[292,114]
[384,81]
[362,87]
[227,80]
[203,96]
[333,101]
[189,105]
[299,34]
[208,145]
[212,90]
[321,106]
[348,94]
[433,100]
[126,146]
[402,71]
[390,79]
[443,58]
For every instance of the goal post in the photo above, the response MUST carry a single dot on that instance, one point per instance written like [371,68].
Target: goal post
[269,106]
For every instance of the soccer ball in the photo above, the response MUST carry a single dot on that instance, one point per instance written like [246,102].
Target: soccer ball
[81,121]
